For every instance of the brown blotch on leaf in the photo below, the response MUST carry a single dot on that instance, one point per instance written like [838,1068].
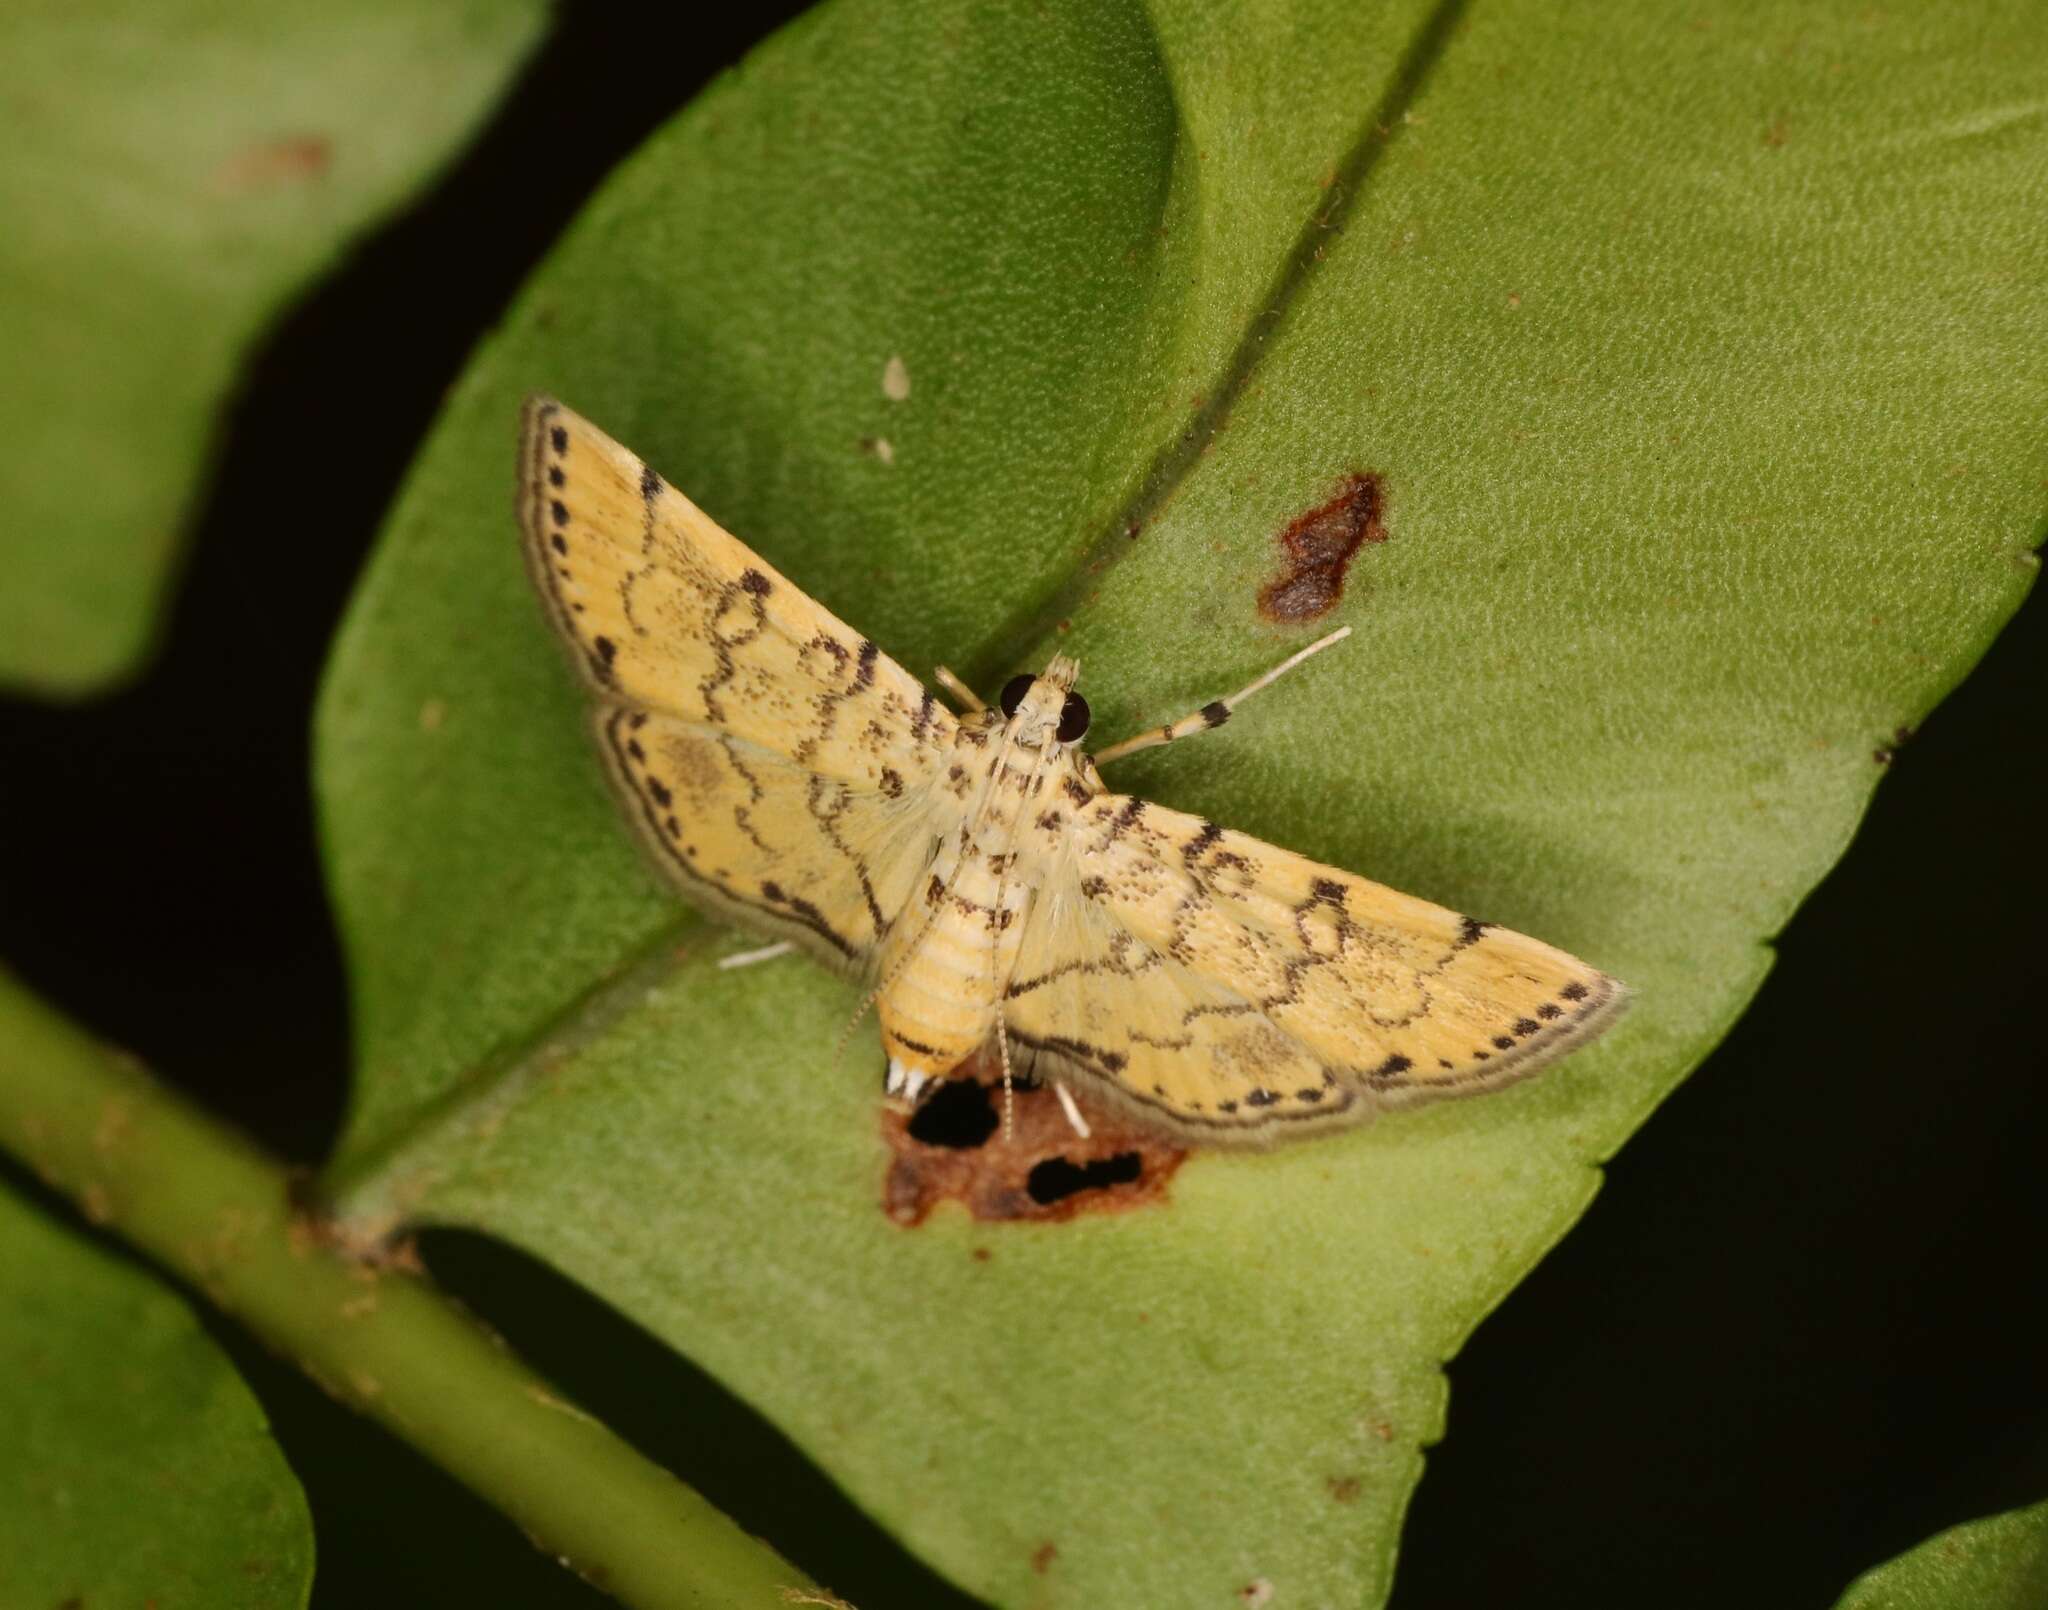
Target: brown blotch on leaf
[1318,548]
[1043,1556]
[953,1148]
[289,159]
[1345,1489]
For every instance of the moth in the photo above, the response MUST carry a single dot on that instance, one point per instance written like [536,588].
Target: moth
[973,866]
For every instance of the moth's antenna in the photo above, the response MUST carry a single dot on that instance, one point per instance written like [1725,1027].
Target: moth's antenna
[1009,1088]
[1215,714]
[1002,1029]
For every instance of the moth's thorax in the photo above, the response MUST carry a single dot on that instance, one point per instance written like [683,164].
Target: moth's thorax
[950,956]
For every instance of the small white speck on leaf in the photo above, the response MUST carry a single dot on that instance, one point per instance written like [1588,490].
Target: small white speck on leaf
[895,380]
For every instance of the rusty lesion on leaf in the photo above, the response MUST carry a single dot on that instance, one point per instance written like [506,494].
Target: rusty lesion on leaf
[953,1148]
[266,164]
[1317,549]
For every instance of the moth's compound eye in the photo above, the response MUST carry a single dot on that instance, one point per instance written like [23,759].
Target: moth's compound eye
[1014,691]
[1073,718]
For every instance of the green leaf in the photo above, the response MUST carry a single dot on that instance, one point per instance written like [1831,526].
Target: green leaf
[174,172]
[1998,1563]
[136,1467]
[1699,364]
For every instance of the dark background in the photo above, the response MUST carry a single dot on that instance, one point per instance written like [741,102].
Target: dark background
[1796,1334]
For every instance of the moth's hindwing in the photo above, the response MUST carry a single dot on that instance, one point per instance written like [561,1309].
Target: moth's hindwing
[753,836]
[1230,989]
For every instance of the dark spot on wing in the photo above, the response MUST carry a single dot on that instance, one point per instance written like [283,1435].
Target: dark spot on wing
[660,792]
[892,783]
[559,511]
[650,483]
[559,543]
[1572,992]
[559,436]
[754,582]
[1317,549]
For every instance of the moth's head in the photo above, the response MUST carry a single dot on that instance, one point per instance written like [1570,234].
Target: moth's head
[1045,707]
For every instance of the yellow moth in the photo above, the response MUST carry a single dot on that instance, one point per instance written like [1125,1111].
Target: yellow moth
[788,774]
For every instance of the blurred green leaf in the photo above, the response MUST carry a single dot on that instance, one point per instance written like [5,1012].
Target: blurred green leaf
[136,1468]
[174,172]
[1700,364]
[1998,1563]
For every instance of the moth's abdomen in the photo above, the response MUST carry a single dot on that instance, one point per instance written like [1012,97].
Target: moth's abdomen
[951,955]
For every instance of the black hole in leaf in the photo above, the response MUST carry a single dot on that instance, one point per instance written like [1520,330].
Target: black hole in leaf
[958,1115]
[1056,1177]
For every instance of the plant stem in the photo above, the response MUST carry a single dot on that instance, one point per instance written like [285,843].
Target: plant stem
[205,1203]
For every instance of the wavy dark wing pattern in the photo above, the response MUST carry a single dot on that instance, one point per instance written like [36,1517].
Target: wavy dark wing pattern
[1229,989]
[779,765]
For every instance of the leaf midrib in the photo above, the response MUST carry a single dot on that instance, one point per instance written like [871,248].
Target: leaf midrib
[370,1188]
[1021,638]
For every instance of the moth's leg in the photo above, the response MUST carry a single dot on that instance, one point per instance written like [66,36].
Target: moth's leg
[1073,1112]
[963,695]
[1216,713]
[747,958]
